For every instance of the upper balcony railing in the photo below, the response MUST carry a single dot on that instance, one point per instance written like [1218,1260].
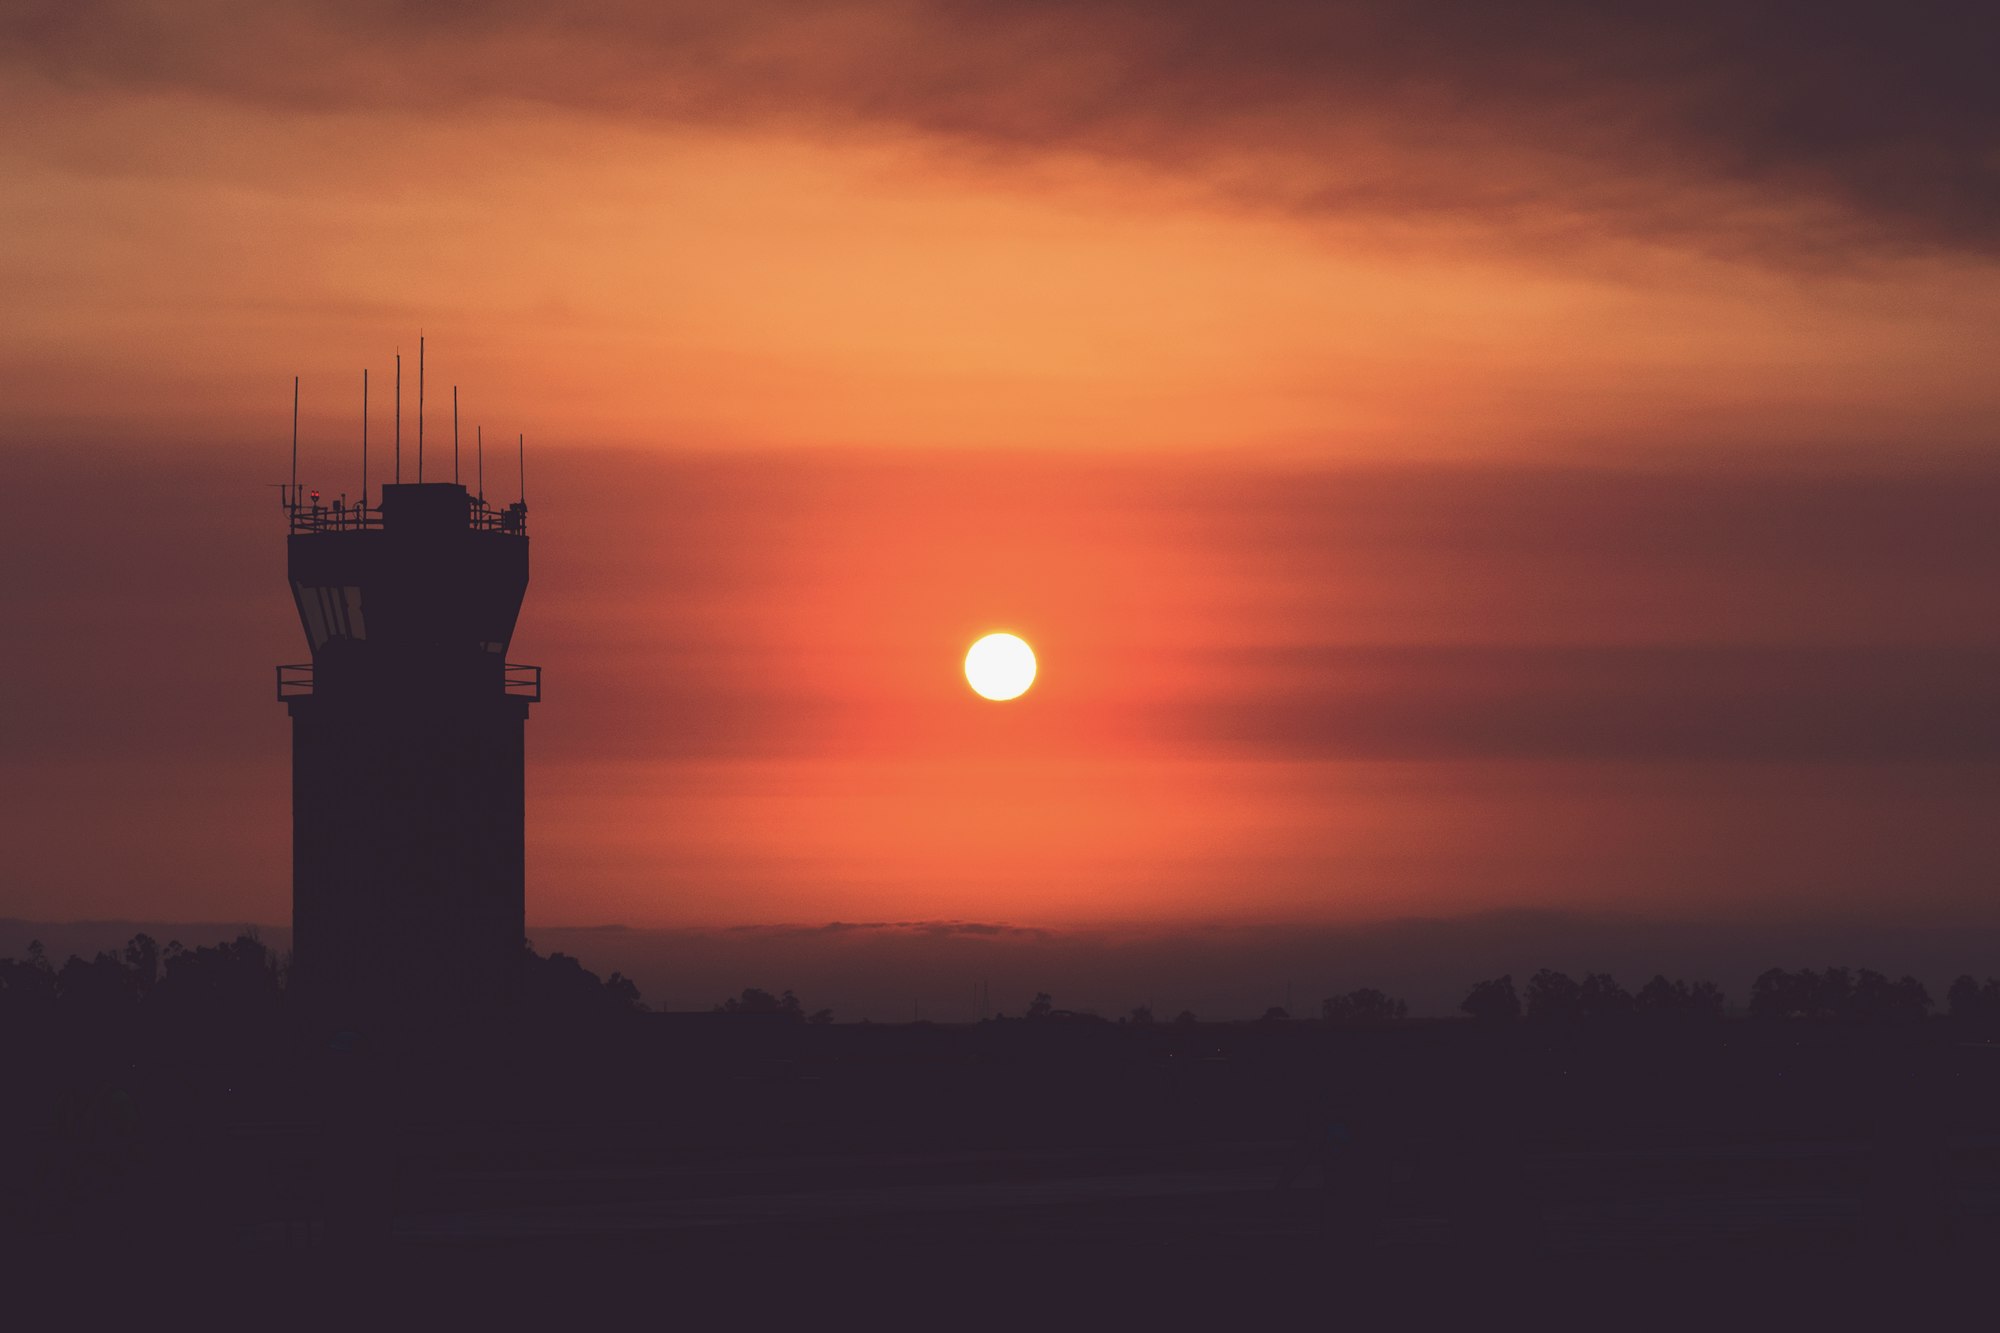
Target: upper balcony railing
[311,514]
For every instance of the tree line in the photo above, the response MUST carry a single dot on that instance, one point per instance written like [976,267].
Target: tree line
[788,1005]
[1834,994]
[243,979]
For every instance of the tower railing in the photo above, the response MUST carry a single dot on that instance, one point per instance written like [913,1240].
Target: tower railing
[517,679]
[522,681]
[295,680]
[339,516]
[336,517]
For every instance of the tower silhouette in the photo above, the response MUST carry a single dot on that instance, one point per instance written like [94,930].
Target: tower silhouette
[408,880]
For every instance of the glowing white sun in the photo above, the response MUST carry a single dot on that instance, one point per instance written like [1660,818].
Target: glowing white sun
[1000,666]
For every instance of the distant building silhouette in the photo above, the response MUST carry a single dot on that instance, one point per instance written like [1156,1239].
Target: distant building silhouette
[408,883]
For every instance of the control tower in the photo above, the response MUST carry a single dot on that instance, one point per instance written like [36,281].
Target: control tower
[408,883]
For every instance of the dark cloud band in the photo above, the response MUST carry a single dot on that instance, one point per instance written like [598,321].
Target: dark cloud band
[1788,131]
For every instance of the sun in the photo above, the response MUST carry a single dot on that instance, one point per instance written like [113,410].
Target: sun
[1000,667]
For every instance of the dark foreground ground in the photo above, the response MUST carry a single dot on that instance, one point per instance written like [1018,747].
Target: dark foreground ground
[1077,1176]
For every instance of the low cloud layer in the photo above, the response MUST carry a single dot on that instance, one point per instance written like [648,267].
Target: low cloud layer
[923,929]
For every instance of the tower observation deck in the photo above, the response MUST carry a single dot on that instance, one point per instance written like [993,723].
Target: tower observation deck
[408,724]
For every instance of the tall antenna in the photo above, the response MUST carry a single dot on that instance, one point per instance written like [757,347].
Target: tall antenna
[295,439]
[399,418]
[420,407]
[454,433]
[480,435]
[364,437]
[523,440]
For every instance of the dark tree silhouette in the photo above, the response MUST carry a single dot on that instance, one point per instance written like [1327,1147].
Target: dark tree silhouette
[1362,1006]
[1777,993]
[1600,997]
[787,1005]
[98,992]
[221,983]
[1143,1016]
[1553,994]
[235,991]
[1493,1000]
[142,962]
[1973,1005]
[28,987]
[1041,1006]
[558,988]
[1838,995]
[1705,997]
[1880,1000]
[1661,996]
[624,991]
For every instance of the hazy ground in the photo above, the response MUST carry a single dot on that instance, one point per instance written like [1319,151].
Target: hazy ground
[1220,1173]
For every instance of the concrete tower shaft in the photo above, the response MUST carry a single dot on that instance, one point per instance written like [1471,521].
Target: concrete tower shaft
[408,729]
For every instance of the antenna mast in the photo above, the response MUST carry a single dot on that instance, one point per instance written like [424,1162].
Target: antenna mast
[420,408]
[479,433]
[364,437]
[295,439]
[399,418]
[454,433]
[523,439]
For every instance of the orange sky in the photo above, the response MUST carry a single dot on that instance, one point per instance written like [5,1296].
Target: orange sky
[1540,467]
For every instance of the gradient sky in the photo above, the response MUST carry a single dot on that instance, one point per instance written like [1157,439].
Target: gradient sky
[1450,457]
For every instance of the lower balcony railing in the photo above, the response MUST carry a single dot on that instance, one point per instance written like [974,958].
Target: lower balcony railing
[518,680]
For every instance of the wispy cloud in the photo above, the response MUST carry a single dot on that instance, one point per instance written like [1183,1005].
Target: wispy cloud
[930,929]
[1781,129]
